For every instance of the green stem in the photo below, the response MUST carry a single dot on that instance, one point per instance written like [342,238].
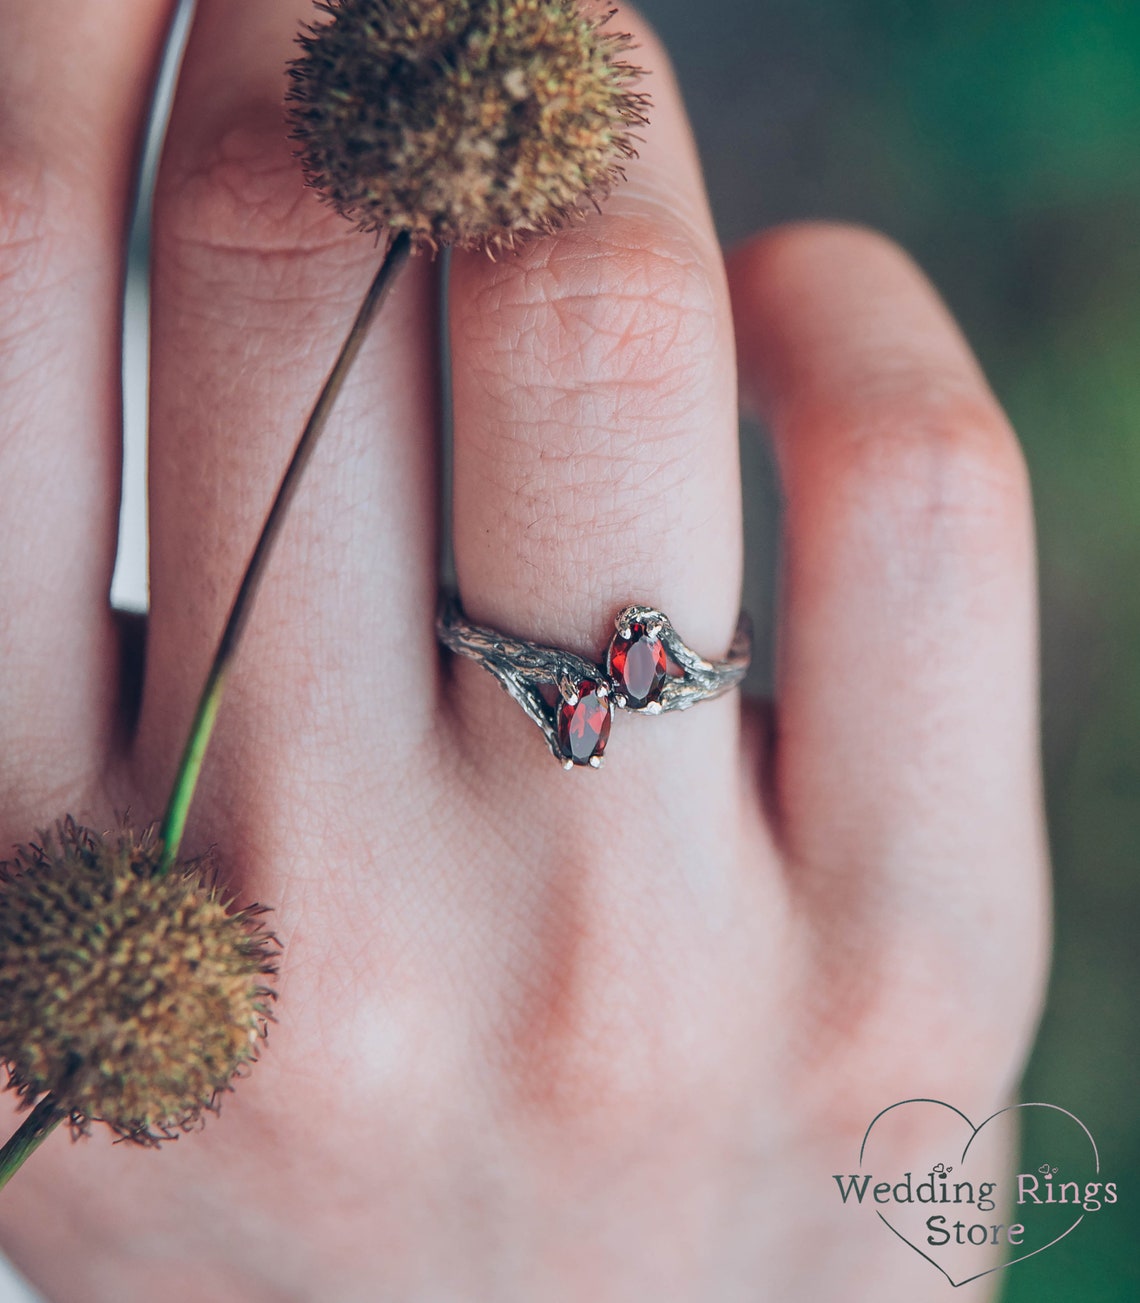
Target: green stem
[190,767]
[37,1126]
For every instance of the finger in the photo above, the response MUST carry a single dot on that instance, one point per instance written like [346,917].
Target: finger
[255,286]
[906,697]
[66,176]
[595,426]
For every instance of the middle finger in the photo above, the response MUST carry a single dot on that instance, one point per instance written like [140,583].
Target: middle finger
[255,285]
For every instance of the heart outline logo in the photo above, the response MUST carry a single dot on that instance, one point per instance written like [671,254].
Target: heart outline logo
[974,1130]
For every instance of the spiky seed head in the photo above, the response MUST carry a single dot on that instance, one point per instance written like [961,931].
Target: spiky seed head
[466,122]
[133,998]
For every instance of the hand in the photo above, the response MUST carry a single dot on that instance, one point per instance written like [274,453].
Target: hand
[542,1036]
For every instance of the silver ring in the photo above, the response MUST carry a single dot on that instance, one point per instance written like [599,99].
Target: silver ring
[647,670]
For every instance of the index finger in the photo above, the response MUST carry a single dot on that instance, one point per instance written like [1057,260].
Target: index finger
[74,80]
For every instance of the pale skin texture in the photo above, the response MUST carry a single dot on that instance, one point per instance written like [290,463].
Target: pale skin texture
[542,1036]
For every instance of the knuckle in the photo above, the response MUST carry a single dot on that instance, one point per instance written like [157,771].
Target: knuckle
[876,1008]
[238,193]
[940,474]
[41,251]
[618,315]
[624,347]
[33,203]
[599,1024]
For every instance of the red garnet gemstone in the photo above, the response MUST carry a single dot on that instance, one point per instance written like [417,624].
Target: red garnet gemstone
[584,728]
[637,664]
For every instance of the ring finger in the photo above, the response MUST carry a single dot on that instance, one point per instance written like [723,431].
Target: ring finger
[595,434]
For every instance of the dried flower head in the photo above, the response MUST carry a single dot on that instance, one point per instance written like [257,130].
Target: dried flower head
[464,122]
[132,998]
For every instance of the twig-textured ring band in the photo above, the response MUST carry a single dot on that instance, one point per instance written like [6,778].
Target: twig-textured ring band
[647,670]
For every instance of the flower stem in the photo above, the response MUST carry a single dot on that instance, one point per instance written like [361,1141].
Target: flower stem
[37,1126]
[190,767]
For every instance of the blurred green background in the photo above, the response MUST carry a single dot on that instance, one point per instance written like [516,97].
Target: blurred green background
[1000,143]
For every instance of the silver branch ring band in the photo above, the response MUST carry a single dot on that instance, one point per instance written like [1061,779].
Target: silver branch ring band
[647,670]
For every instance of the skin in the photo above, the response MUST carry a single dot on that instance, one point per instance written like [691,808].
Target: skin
[542,1036]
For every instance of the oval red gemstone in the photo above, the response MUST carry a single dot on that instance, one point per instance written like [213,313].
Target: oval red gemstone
[584,728]
[637,664]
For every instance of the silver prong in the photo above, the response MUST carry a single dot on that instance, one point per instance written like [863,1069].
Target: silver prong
[568,764]
[625,632]
[621,700]
[569,690]
[653,708]
[596,762]
[654,630]
[603,691]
